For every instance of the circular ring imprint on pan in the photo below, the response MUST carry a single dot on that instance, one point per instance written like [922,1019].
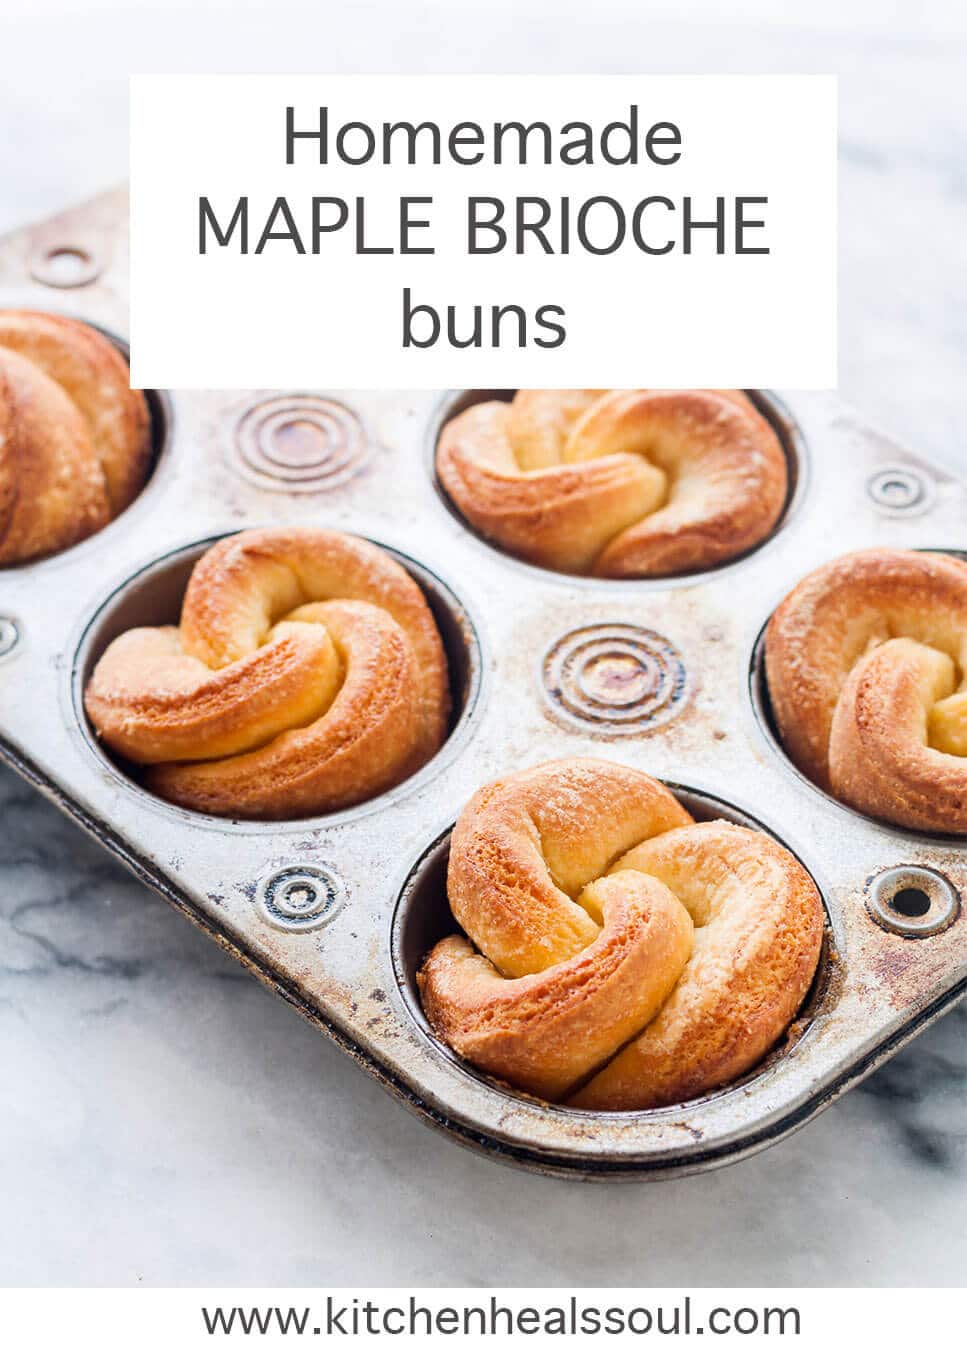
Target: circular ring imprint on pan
[9,636]
[301,897]
[615,679]
[298,444]
[900,491]
[65,266]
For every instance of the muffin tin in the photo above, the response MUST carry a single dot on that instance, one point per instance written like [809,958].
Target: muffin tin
[334,913]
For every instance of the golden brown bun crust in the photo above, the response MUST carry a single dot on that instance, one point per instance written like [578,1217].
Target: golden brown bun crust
[617,483]
[865,662]
[618,955]
[75,440]
[307,675]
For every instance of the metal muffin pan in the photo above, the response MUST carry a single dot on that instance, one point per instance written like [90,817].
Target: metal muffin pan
[332,912]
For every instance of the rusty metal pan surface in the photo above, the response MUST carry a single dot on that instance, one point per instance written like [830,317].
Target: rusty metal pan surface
[335,912]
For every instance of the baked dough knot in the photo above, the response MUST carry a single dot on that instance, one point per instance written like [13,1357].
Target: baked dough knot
[306,675]
[618,954]
[75,440]
[617,483]
[866,662]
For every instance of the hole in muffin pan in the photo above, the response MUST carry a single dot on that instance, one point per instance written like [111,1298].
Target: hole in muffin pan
[422,917]
[775,411]
[160,420]
[152,597]
[912,900]
[765,717]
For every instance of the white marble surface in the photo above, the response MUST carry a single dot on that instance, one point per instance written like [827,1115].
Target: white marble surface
[162,1118]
